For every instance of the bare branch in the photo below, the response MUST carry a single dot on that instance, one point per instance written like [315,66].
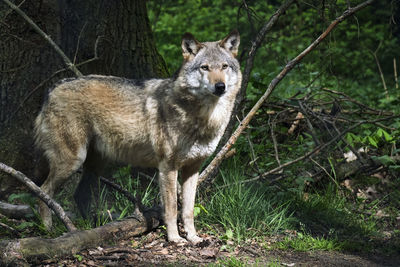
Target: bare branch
[316,150]
[68,62]
[289,66]
[395,73]
[256,44]
[38,192]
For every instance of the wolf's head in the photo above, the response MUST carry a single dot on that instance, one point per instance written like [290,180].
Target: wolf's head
[210,68]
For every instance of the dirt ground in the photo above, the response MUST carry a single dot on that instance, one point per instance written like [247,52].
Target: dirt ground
[153,250]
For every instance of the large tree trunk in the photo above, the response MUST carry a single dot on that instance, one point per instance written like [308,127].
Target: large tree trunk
[25,61]
[125,48]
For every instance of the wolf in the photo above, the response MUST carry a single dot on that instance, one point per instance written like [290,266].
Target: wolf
[170,124]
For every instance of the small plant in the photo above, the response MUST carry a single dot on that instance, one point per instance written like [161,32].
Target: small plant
[78,257]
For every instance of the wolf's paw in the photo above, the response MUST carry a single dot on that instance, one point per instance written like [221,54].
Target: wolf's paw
[195,239]
[177,240]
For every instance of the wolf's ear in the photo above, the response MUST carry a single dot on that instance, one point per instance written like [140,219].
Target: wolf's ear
[231,42]
[190,46]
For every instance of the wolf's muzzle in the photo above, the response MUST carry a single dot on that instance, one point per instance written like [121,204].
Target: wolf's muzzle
[219,88]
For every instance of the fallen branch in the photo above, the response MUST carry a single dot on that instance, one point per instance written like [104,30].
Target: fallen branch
[58,210]
[21,251]
[68,62]
[15,211]
[289,66]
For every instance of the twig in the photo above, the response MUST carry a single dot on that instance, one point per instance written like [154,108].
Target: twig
[289,66]
[126,193]
[395,73]
[273,137]
[9,228]
[380,112]
[68,62]
[58,210]
[253,153]
[78,42]
[309,124]
[324,170]
[136,200]
[380,70]
[249,17]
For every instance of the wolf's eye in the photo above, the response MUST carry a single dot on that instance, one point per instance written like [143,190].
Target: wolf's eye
[204,67]
[224,66]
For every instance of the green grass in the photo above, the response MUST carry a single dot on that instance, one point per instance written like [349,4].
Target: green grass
[328,212]
[111,203]
[305,242]
[243,209]
[237,262]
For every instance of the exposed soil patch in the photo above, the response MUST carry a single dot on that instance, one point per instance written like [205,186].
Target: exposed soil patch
[153,250]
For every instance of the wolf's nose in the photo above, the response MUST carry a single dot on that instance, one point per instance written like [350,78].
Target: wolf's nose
[219,88]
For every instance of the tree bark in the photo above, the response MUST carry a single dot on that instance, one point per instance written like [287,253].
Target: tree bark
[125,48]
[25,61]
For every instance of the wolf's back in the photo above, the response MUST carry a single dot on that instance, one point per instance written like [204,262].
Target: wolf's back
[110,111]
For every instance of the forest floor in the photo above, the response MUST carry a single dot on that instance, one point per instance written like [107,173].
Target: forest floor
[153,250]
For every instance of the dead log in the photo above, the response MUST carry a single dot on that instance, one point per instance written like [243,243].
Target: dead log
[16,211]
[30,250]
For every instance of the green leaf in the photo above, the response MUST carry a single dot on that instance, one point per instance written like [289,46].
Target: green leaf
[372,141]
[379,132]
[385,160]
[196,211]
[387,136]
[78,257]
[229,234]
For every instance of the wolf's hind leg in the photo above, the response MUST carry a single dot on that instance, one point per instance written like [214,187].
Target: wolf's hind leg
[60,170]
[88,185]
[190,177]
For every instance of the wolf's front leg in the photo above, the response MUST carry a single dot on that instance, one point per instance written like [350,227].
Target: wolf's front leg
[190,177]
[168,181]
